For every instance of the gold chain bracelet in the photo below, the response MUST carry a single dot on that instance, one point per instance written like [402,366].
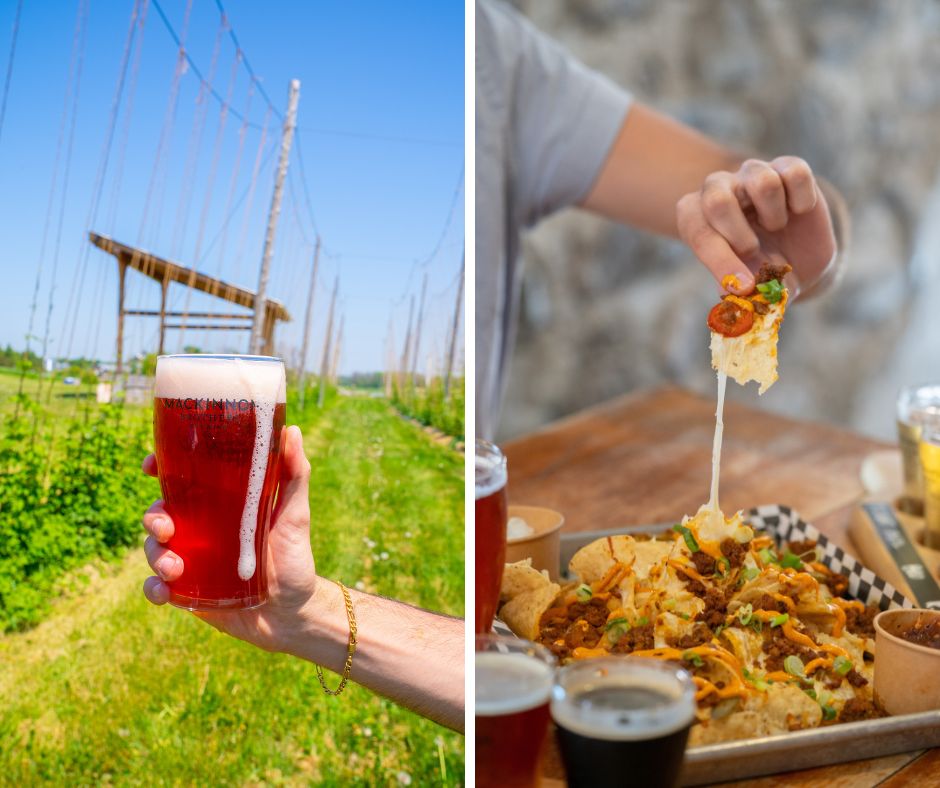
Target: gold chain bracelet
[350,648]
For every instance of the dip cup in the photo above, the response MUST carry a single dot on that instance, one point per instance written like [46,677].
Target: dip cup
[907,675]
[543,546]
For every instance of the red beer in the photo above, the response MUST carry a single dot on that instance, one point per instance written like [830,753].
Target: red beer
[513,688]
[218,429]
[490,523]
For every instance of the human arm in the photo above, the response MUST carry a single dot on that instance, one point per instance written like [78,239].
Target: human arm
[734,212]
[411,656]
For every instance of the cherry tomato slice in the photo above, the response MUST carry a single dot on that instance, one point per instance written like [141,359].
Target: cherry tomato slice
[729,319]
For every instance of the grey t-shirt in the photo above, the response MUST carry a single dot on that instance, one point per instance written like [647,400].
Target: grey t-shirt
[544,126]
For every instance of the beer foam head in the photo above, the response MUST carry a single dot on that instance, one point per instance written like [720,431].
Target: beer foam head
[490,469]
[637,699]
[508,683]
[258,378]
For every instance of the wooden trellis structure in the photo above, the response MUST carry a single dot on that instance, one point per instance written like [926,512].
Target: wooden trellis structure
[164,272]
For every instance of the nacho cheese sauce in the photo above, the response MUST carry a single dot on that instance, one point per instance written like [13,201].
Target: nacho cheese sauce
[716,443]
[260,379]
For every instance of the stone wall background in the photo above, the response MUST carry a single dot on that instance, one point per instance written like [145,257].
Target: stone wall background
[853,86]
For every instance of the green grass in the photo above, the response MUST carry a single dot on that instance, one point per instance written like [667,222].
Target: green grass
[110,690]
[65,400]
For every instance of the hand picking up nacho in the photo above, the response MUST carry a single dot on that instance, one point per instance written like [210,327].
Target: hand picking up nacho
[767,635]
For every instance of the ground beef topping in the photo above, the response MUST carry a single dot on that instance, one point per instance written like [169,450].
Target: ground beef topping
[778,647]
[700,634]
[769,271]
[767,602]
[860,622]
[704,563]
[635,639]
[715,608]
[733,551]
[858,709]
[855,678]
[582,634]
[802,547]
[596,613]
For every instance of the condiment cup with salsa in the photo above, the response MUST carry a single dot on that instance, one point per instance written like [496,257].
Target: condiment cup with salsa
[907,660]
[539,541]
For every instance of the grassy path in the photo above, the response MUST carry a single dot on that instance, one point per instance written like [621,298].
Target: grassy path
[109,690]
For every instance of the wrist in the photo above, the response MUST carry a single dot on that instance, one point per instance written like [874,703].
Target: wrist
[319,631]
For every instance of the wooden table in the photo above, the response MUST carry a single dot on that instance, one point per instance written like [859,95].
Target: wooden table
[645,458]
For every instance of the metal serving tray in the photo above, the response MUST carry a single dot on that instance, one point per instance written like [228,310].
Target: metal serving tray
[804,749]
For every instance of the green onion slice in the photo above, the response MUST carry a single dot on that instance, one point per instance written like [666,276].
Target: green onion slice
[749,573]
[842,666]
[794,666]
[687,535]
[691,656]
[777,621]
[584,592]
[745,612]
[767,557]
[772,291]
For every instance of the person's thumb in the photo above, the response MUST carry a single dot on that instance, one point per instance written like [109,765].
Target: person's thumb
[293,499]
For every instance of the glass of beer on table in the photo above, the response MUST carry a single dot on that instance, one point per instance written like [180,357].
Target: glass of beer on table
[490,522]
[623,721]
[917,407]
[513,688]
[218,429]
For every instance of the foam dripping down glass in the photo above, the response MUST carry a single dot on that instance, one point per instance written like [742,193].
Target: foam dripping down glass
[218,432]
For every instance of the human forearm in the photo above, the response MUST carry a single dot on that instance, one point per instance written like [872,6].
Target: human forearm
[652,163]
[412,656]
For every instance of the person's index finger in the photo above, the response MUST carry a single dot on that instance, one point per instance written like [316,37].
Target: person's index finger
[149,465]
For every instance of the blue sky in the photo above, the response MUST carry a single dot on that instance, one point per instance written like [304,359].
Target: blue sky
[380,125]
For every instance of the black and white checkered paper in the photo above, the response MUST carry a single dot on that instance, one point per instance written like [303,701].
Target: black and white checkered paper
[784,525]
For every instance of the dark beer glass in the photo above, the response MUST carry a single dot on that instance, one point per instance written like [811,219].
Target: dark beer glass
[513,689]
[623,721]
[218,424]
[490,524]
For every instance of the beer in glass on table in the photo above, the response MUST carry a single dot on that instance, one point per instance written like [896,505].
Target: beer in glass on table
[218,424]
[623,721]
[490,530]
[513,689]
[917,406]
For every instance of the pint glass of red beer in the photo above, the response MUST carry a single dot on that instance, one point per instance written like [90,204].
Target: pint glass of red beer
[218,424]
[490,530]
[514,681]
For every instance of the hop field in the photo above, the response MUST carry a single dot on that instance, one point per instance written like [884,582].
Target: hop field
[106,689]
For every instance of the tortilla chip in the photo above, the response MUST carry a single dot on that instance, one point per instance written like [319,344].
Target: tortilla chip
[593,561]
[783,707]
[523,613]
[520,577]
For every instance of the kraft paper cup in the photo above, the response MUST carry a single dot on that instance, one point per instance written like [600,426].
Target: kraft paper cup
[907,675]
[544,545]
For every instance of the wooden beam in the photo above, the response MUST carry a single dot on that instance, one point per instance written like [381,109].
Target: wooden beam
[207,327]
[156,268]
[163,313]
